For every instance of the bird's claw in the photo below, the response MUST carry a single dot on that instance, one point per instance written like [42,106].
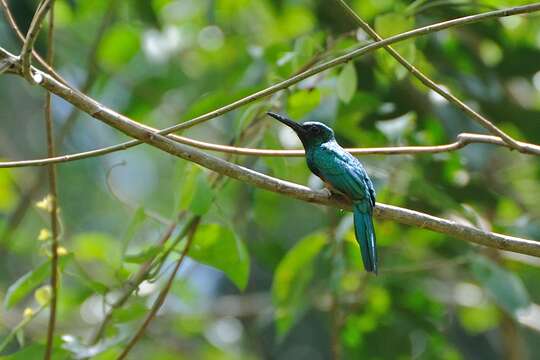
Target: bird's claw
[327,192]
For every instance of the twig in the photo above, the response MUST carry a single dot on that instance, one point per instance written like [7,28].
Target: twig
[254,178]
[463,140]
[53,192]
[143,134]
[315,70]
[64,130]
[25,321]
[31,36]
[91,66]
[162,295]
[15,27]
[137,279]
[430,83]
[144,270]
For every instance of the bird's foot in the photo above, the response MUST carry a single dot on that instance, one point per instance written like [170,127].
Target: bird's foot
[327,192]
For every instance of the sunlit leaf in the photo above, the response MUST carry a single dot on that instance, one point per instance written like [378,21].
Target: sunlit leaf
[119,45]
[219,247]
[143,255]
[29,281]
[204,194]
[346,84]
[291,278]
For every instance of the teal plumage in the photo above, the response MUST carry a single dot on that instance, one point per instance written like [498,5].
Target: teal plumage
[344,173]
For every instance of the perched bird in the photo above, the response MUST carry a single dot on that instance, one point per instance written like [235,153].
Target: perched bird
[343,173]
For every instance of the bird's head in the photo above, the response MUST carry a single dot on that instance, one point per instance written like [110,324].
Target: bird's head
[310,132]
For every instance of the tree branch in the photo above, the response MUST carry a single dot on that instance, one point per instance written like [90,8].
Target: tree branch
[463,140]
[254,178]
[31,36]
[163,293]
[11,21]
[430,83]
[315,70]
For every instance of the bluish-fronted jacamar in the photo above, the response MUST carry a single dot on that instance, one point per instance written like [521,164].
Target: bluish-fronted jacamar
[342,172]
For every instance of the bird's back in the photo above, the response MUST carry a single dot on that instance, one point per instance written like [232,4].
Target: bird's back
[343,171]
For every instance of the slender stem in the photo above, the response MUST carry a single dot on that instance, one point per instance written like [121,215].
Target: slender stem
[25,321]
[13,24]
[430,83]
[31,36]
[54,197]
[463,140]
[248,176]
[254,178]
[137,279]
[162,295]
[69,92]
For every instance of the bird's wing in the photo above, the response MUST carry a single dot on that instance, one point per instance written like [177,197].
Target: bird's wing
[344,172]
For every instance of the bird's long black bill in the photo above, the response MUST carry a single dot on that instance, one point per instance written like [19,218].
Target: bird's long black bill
[292,124]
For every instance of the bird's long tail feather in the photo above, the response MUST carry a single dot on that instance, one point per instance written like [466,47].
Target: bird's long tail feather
[365,235]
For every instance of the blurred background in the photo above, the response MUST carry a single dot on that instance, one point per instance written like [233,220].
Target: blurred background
[271,277]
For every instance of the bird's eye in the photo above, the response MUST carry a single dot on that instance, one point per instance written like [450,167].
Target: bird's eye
[315,130]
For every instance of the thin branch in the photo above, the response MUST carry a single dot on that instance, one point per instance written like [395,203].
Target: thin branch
[406,216]
[31,36]
[13,24]
[463,140]
[254,178]
[162,295]
[144,271]
[91,66]
[430,83]
[54,196]
[315,70]
[138,278]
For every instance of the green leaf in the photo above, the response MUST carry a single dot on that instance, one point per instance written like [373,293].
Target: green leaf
[391,24]
[190,173]
[505,288]
[119,45]
[346,83]
[247,117]
[302,102]
[291,277]
[219,247]
[29,281]
[204,194]
[94,246]
[143,255]
[136,221]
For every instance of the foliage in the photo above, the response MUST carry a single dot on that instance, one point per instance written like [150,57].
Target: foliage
[268,276]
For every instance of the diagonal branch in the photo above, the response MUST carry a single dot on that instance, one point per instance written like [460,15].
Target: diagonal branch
[430,83]
[163,293]
[18,32]
[254,178]
[315,70]
[31,36]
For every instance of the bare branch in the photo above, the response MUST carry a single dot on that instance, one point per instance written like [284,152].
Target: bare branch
[248,176]
[533,149]
[463,140]
[163,293]
[31,36]
[430,83]
[18,32]
[137,279]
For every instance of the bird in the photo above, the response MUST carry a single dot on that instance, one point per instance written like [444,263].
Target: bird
[343,173]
